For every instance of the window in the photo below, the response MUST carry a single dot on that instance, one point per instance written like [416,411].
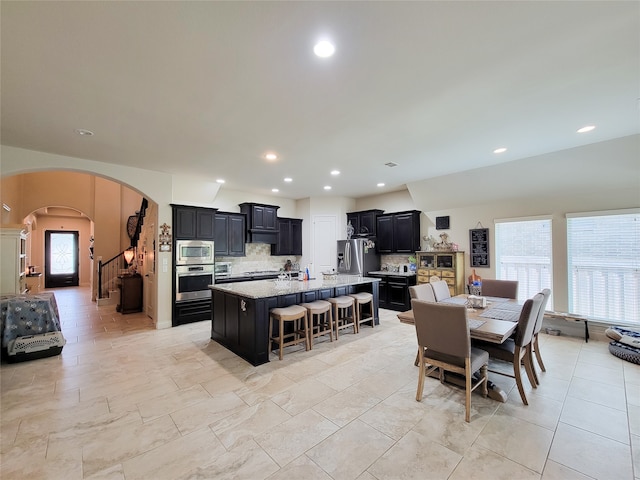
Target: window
[523,253]
[603,256]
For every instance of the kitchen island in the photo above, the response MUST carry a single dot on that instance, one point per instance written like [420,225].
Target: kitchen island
[241,310]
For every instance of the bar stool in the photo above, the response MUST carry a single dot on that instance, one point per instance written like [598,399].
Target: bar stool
[292,313]
[341,318]
[361,299]
[320,319]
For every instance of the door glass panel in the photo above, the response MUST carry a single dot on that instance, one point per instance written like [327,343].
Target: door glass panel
[62,253]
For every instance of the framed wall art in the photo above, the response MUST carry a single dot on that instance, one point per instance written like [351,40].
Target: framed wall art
[479,246]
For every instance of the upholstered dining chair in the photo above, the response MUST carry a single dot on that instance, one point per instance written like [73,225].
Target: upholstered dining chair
[424,291]
[517,350]
[444,344]
[535,347]
[440,290]
[500,288]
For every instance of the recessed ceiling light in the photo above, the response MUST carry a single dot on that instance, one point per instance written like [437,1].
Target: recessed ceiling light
[83,132]
[327,187]
[381,184]
[220,180]
[500,150]
[271,156]
[586,129]
[324,49]
[288,179]
[275,190]
[335,172]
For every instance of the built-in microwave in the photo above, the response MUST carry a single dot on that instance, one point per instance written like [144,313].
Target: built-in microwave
[194,252]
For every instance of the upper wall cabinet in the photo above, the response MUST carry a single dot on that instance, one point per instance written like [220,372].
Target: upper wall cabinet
[191,223]
[230,234]
[398,232]
[289,237]
[262,222]
[364,222]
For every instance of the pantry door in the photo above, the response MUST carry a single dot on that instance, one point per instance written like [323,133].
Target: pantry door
[61,262]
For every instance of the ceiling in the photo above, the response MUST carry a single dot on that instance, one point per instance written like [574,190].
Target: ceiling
[207,88]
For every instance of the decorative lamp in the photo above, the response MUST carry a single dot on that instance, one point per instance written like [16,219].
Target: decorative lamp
[129,255]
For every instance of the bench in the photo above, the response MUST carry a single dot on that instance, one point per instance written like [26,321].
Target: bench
[570,317]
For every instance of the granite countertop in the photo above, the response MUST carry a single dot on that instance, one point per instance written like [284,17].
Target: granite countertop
[273,288]
[395,274]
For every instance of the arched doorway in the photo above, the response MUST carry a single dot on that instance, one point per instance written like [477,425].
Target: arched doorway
[61,202]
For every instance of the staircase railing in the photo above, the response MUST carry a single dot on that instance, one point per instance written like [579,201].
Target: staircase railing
[140,220]
[108,273]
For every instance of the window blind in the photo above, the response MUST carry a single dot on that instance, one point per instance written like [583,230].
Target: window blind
[603,253]
[523,253]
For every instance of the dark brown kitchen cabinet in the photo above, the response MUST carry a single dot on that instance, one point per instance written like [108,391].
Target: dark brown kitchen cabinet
[262,222]
[261,217]
[191,223]
[230,234]
[364,222]
[289,240]
[130,287]
[398,232]
[384,236]
[394,291]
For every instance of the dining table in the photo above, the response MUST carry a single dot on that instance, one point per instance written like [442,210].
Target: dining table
[494,323]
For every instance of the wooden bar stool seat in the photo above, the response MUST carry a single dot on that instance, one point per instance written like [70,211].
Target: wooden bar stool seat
[361,300]
[342,318]
[300,333]
[320,319]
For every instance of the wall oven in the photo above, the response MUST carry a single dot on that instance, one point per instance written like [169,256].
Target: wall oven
[192,282]
[194,252]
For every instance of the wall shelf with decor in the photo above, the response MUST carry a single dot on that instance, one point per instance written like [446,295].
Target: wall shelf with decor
[479,246]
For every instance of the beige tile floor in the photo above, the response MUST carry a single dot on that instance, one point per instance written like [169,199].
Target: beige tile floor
[126,401]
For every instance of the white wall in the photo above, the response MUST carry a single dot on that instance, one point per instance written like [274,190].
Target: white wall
[399,201]
[228,201]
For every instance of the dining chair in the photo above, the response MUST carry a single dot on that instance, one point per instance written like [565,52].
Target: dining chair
[444,344]
[517,350]
[424,291]
[440,290]
[500,288]
[535,346]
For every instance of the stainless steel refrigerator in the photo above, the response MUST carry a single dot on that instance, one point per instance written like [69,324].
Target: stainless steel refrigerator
[357,257]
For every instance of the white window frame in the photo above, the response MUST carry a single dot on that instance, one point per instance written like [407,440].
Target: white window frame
[533,275]
[605,287]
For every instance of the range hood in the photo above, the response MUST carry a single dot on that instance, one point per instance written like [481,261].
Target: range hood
[262,222]
[262,236]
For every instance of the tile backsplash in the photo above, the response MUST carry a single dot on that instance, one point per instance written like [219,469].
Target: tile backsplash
[258,258]
[394,262]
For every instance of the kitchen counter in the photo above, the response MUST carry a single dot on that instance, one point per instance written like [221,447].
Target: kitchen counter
[241,309]
[249,276]
[273,288]
[395,274]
